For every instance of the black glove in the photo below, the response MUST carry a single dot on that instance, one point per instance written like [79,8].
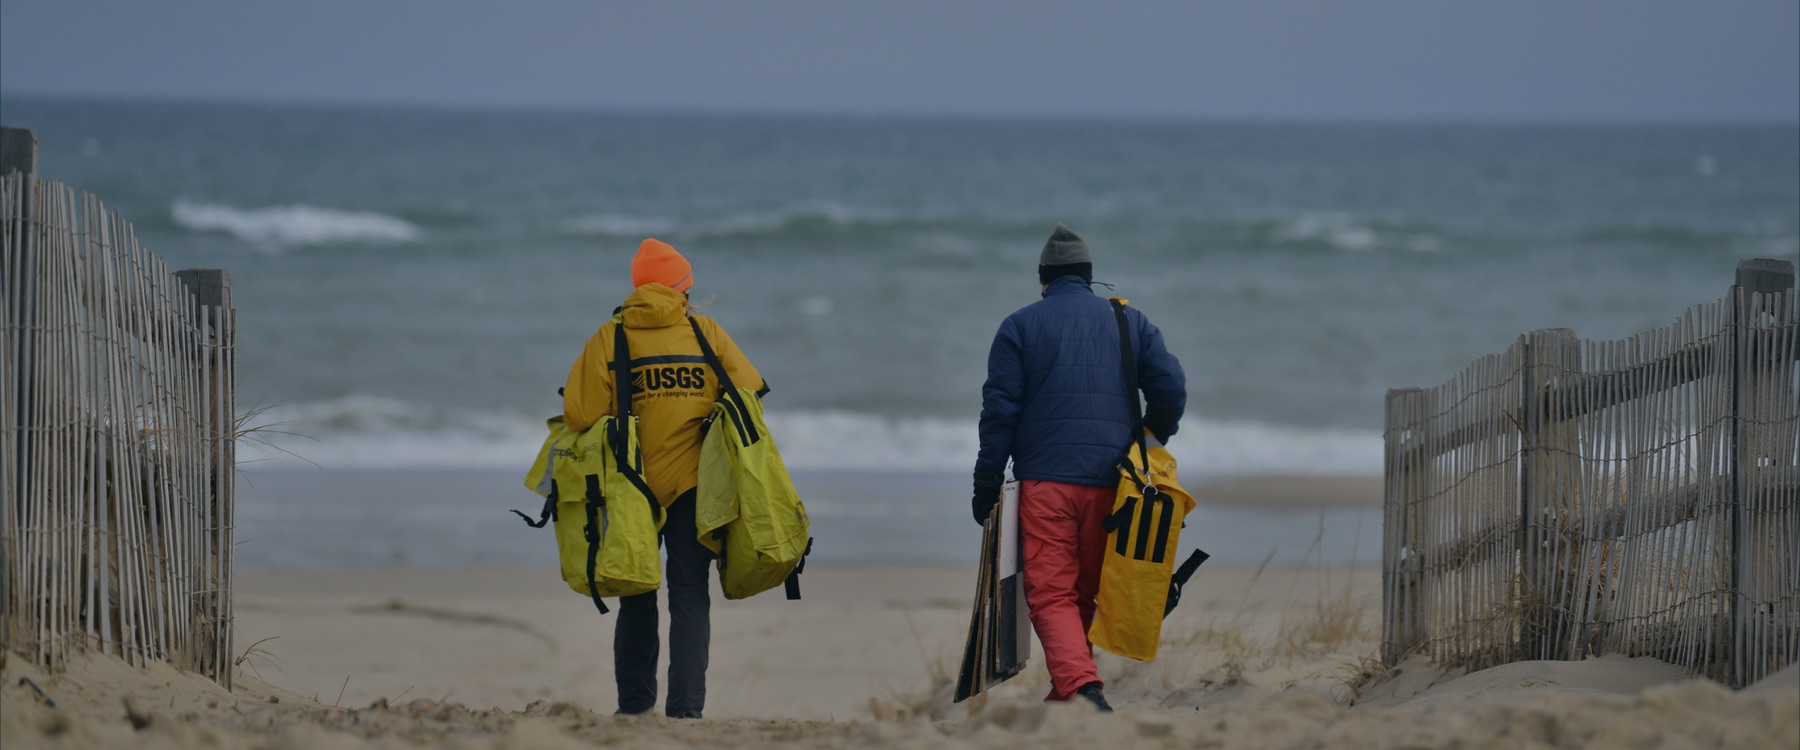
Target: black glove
[1160,425]
[987,493]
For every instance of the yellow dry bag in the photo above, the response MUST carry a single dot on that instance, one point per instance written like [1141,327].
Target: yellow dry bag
[1136,574]
[606,519]
[746,509]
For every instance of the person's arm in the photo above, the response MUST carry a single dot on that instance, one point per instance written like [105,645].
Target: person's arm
[1002,400]
[588,395]
[1163,382]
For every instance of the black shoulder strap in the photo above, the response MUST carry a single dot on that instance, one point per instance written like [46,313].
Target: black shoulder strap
[621,371]
[622,388]
[1131,380]
[728,393]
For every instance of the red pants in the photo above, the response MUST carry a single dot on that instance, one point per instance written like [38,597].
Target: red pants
[1063,545]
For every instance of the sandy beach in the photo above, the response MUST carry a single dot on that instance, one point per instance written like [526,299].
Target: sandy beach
[508,658]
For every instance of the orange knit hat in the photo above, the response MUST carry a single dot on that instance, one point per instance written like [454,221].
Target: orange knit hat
[658,262]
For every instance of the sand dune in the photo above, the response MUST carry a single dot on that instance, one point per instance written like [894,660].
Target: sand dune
[510,659]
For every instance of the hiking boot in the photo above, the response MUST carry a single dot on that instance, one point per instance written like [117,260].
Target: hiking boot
[1091,692]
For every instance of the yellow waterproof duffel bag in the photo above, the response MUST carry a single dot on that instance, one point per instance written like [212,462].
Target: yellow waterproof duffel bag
[606,518]
[1143,532]
[746,508]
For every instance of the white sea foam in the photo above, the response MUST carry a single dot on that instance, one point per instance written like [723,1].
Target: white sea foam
[293,225]
[1337,230]
[619,225]
[826,212]
[374,432]
[735,223]
[1345,232]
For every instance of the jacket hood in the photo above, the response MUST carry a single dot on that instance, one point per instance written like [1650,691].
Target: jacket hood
[654,306]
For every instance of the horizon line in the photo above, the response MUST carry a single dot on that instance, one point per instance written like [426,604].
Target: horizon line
[1166,118]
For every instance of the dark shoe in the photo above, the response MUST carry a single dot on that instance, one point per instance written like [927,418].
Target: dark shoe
[626,712]
[1091,692]
[684,714]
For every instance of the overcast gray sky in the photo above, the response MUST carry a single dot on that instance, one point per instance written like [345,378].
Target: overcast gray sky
[1681,60]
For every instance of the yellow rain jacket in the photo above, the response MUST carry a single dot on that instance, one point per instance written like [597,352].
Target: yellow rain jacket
[673,389]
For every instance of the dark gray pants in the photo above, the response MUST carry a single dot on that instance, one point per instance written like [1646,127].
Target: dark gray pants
[635,635]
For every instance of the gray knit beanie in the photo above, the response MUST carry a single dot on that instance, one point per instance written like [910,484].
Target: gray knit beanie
[1065,255]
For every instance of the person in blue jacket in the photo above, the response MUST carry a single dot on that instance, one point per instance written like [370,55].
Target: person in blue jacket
[1056,404]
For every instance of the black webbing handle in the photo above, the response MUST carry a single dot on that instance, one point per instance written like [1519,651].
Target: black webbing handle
[1182,574]
[792,583]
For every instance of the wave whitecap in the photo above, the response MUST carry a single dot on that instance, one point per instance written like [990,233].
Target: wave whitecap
[293,225]
[378,432]
[800,217]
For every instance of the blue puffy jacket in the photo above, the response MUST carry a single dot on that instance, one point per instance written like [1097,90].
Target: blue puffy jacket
[1055,399]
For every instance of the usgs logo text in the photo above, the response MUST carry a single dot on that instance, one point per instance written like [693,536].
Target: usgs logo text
[670,378]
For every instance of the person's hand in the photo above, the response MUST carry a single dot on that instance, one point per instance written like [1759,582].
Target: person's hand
[987,494]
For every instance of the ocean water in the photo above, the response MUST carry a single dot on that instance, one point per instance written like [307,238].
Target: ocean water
[412,284]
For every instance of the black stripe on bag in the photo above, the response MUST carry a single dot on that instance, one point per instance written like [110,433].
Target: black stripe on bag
[1120,521]
[738,420]
[1146,520]
[1162,528]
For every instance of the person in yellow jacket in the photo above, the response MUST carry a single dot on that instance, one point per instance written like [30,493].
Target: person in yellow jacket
[672,393]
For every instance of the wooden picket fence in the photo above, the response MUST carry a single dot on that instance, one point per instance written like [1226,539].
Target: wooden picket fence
[116,440]
[1568,498]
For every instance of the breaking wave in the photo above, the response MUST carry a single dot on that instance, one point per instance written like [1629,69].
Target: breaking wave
[293,225]
[379,432]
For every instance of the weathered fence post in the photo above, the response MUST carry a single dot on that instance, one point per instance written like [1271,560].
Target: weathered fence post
[18,151]
[1401,570]
[18,313]
[1549,482]
[215,367]
[1761,414]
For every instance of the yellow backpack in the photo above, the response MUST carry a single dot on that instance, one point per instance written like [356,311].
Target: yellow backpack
[606,519]
[1139,584]
[746,509]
